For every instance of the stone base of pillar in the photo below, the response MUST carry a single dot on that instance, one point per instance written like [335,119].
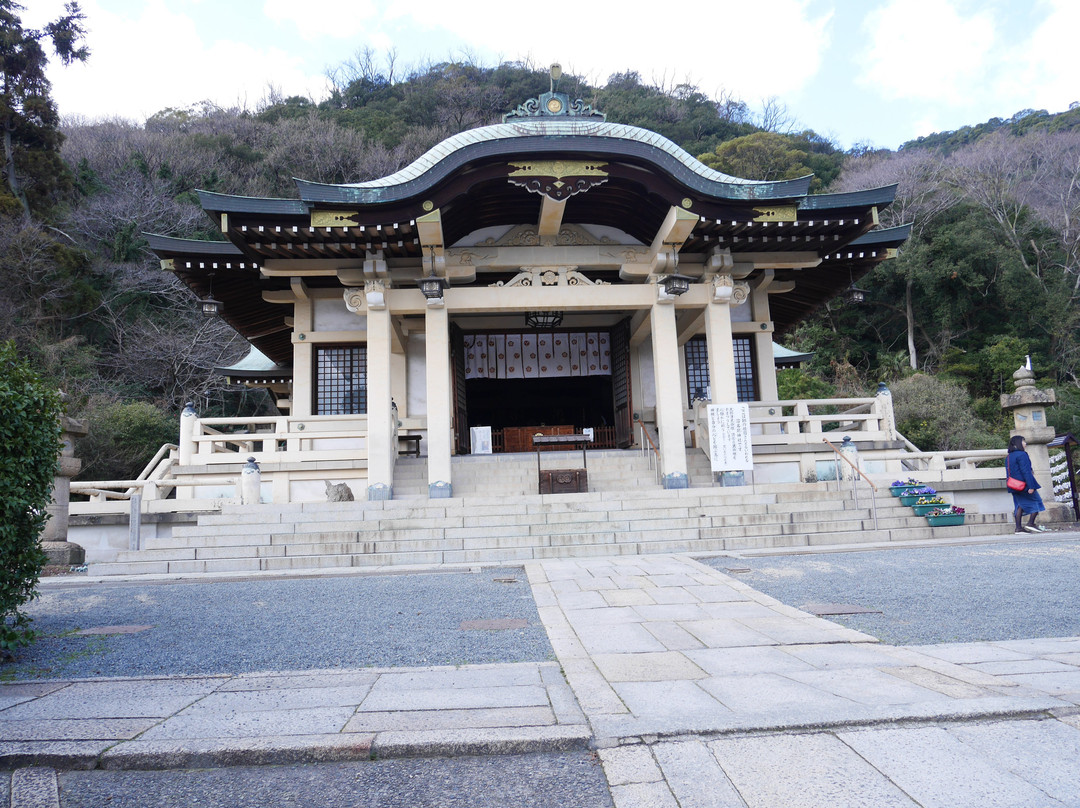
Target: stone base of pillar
[379,492]
[676,480]
[64,553]
[440,490]
[1057,512]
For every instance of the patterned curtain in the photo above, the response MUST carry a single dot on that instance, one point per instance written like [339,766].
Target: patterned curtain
[530,355]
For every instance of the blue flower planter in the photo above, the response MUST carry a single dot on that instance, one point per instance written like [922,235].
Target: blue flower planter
[945,521]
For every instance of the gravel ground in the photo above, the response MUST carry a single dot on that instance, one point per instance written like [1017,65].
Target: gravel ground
[281,624]
[514,781]
[1007,591]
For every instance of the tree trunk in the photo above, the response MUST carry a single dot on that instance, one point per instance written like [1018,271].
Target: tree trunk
[9,170]
[913,357]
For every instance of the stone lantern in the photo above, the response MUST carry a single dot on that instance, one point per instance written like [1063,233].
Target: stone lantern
[54,537]
[1028,405]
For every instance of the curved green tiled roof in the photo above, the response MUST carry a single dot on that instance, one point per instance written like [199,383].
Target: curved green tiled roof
[552,136]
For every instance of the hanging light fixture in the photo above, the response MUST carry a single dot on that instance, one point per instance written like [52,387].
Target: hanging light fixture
[208,305]
[675,284]
[431,284]
[543,319]
[854,295]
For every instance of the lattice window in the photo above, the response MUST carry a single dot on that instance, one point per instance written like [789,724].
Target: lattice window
[341,380]
[697,368]
[744,368]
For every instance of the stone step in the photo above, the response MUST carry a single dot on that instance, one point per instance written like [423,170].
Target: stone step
[489,527]
[511,549]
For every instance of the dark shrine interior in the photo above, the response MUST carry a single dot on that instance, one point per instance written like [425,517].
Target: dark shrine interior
[582,401]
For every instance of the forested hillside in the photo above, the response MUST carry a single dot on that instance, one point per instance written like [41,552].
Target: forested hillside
[991,274]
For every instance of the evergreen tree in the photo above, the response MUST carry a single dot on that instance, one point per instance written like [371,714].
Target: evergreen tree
[32,165]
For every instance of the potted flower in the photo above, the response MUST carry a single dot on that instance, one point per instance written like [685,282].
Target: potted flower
[946,515]
[901,487]
[911,496]
[924,505]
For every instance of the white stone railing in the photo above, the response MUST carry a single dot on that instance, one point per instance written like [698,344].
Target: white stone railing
[966,461]
[273,439]
[806,421]
[802,422]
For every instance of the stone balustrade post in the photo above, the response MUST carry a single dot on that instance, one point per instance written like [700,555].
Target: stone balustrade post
[250,483]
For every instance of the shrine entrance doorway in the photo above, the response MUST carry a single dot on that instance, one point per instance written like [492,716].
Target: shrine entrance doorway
[555,382]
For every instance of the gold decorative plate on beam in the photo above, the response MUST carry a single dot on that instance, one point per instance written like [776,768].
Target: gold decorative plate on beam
[558,179]
[779,213]
[335,218]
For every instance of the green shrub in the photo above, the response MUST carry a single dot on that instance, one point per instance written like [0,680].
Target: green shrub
[938,415]
[29,451]
[792,383]
[123,437]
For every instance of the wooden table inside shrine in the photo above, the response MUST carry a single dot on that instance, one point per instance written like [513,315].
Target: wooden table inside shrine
[562,481]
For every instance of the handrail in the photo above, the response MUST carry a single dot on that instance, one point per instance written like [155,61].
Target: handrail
[653,446]
[846,460]
[854,481]
[152,465]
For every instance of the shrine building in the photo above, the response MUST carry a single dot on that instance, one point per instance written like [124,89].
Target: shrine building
[554,273]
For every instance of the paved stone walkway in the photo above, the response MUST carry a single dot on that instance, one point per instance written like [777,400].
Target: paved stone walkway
[699,692]
[284,717]
[704,692]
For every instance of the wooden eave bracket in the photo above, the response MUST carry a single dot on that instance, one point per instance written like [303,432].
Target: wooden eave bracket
[676,229]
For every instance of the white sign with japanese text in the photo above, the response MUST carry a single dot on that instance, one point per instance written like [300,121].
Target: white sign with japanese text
[729,437]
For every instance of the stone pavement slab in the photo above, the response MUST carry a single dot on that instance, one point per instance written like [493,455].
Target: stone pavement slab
[289,717]
[1047,666]
[712,655]
[1033,762]
[916,760]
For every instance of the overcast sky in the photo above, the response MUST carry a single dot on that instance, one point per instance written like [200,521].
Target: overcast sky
[858,71]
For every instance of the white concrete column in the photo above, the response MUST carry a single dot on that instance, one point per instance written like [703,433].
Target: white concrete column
[382,434]
[721,353]
[437,373]
[669,384]
[399,382]
[765,365]
[303,359]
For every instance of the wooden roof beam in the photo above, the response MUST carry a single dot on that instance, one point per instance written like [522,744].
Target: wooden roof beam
[640,327]
[675,230]
[551,216]
[690,323]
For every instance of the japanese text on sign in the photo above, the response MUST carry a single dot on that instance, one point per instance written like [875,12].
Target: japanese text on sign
[729,437]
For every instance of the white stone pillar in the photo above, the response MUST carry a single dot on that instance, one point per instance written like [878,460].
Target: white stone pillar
[185,447]
[764,363]
[722,389]
[669,410]
[382,434]
[303,359]
[437,370]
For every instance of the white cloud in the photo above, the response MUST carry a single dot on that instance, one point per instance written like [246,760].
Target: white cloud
[926,50]
[751,50]
[134,72]
[1045,65]
[316,19]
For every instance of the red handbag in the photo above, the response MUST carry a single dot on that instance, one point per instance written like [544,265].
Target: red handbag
[1011,482]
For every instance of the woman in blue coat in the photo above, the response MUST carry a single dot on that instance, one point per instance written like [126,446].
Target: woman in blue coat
[1018,465]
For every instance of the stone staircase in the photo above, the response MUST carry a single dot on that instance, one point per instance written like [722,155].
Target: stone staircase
[496,516]
[515,474]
